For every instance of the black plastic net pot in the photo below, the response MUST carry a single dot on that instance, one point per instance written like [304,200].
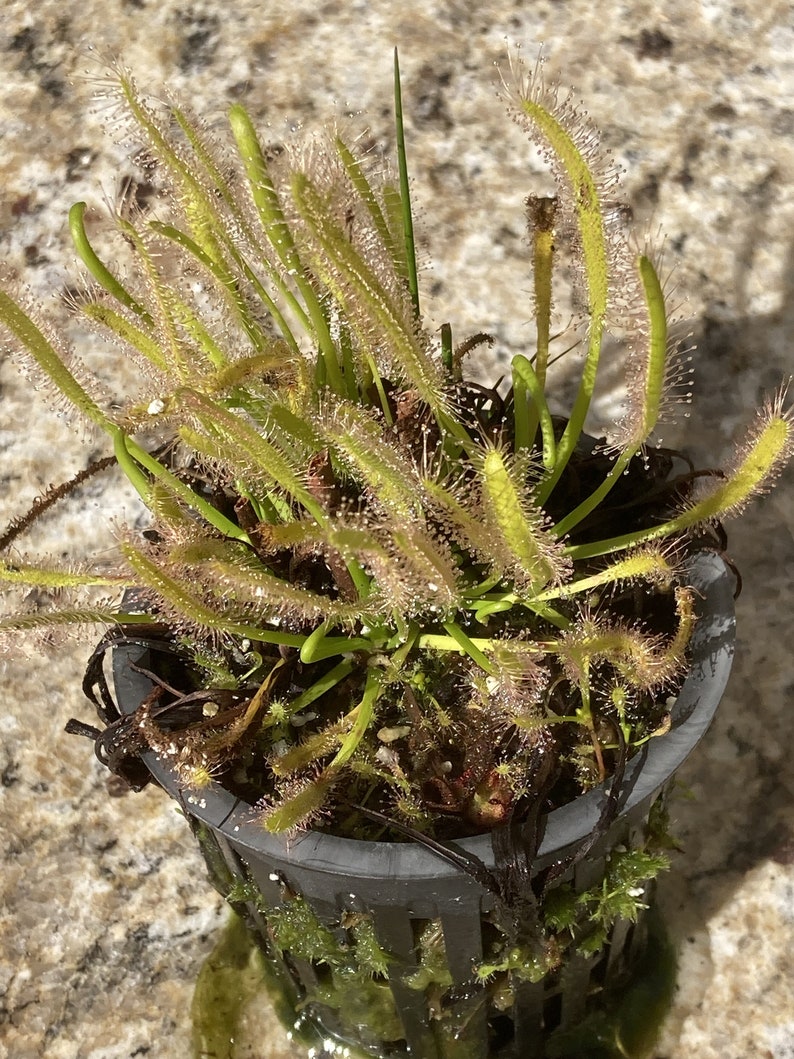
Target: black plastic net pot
[325,910]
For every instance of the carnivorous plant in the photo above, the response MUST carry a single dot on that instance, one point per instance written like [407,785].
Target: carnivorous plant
[388,592]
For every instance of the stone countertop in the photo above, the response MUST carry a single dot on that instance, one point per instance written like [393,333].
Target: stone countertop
[105,917]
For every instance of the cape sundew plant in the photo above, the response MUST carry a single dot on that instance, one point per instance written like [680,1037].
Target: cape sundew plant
[382,585]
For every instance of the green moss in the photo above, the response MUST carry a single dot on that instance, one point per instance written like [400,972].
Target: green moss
[352,982]
[352,969]
[351,974]
[582,922]
[432,972]
[297,930]
[370,957]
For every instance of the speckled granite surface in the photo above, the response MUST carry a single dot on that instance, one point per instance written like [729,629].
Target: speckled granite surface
[105,917]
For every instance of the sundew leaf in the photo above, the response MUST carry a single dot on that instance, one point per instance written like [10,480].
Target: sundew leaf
[279,234]
[272,462]
[647,396]
[16,320]
[366,193]
[559,126]
[134,336]
[508,507]
[364,299]
[357,438]
[758,459]
[294,810]
[77,616]
[98,268]
[179,600]
[52,578]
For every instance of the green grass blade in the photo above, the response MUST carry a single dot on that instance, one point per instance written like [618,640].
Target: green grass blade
[405,190]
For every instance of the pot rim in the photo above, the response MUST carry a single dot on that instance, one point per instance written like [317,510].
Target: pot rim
[712,649]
